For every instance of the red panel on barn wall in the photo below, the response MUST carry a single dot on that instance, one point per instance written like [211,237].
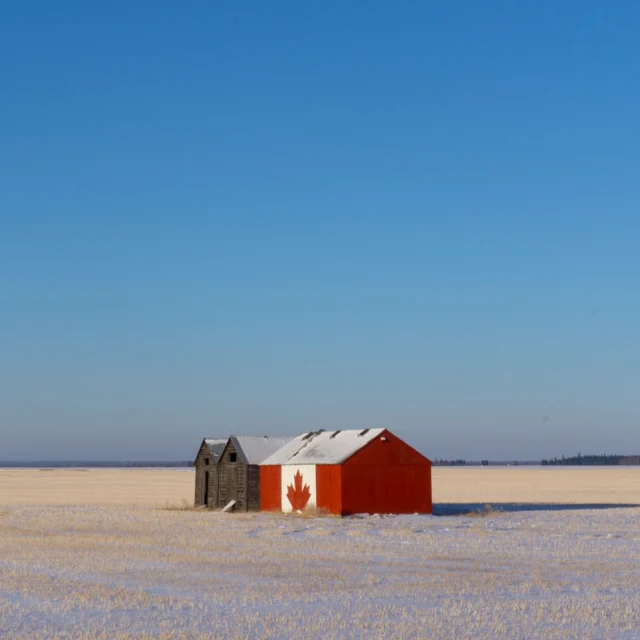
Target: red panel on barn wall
[270,488]
[329,488]
[386,489]
[391,451]
[386,476]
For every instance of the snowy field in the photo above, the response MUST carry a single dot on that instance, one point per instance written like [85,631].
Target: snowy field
[113,571]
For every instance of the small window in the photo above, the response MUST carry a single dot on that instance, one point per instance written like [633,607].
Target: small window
[206,462]
[233,456]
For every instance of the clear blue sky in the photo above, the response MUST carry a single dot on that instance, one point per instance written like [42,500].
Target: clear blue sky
[270,217]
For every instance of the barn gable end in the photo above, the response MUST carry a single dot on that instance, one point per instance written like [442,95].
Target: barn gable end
[231,478]
[205,466]
[386,476]
[387,447]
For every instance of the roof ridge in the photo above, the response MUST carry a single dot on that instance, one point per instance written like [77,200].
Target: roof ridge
[250,447]
[325,447]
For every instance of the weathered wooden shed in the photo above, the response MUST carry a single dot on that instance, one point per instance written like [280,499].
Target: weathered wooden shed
[205,464]
[346,472]
[237,475]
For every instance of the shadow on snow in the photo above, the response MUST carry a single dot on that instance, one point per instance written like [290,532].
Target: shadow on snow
[487,508]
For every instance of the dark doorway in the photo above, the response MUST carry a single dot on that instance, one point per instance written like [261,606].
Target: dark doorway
[206,489]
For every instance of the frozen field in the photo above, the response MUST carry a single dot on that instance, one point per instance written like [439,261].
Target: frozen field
[135,570]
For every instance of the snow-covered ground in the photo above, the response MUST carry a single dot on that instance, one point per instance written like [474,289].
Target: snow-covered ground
[138,572]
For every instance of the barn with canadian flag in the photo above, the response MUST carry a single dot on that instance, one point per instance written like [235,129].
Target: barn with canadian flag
[346,472]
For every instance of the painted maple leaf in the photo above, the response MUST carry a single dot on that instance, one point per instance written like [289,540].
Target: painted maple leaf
[298,496]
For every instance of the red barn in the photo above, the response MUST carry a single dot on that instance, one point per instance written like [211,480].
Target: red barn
[346,472]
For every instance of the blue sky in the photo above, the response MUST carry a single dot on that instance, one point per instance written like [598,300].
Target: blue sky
[273,217]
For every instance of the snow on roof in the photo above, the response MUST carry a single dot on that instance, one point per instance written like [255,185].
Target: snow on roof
[323,447]
[254,449]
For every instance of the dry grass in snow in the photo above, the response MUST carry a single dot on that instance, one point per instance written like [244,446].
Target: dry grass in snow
[105,571]
[108,572]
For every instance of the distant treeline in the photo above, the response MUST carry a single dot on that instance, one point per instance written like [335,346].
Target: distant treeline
[596,459]
[438,462]
[92,464]
[460,462]
[593,460]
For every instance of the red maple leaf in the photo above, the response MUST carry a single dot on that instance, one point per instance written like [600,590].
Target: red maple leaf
[298,496]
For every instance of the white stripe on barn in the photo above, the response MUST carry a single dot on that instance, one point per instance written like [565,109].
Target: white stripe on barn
[298,487]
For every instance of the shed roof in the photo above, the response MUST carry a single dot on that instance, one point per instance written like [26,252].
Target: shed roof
[254,449]
[323,447]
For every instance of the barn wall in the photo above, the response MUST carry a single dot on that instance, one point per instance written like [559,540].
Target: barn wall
[298,488]
[241,487]
[386,477]
[386,489]
[270,488]
[329,488]
[201,467]
[231,480]
[221,494]
[198,499]
[213,487]
[253,488]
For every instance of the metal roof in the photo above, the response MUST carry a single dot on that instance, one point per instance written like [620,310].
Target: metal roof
[254,449]
[323,447]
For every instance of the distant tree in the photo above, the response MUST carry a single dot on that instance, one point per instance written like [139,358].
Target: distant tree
[592,460]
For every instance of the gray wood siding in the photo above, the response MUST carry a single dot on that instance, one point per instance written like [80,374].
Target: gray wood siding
[253,488]
[231,480]
[201,469]
[236,481]
[213,487]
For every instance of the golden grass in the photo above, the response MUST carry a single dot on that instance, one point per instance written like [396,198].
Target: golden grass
[615,485]
[104,487]
[174,489]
